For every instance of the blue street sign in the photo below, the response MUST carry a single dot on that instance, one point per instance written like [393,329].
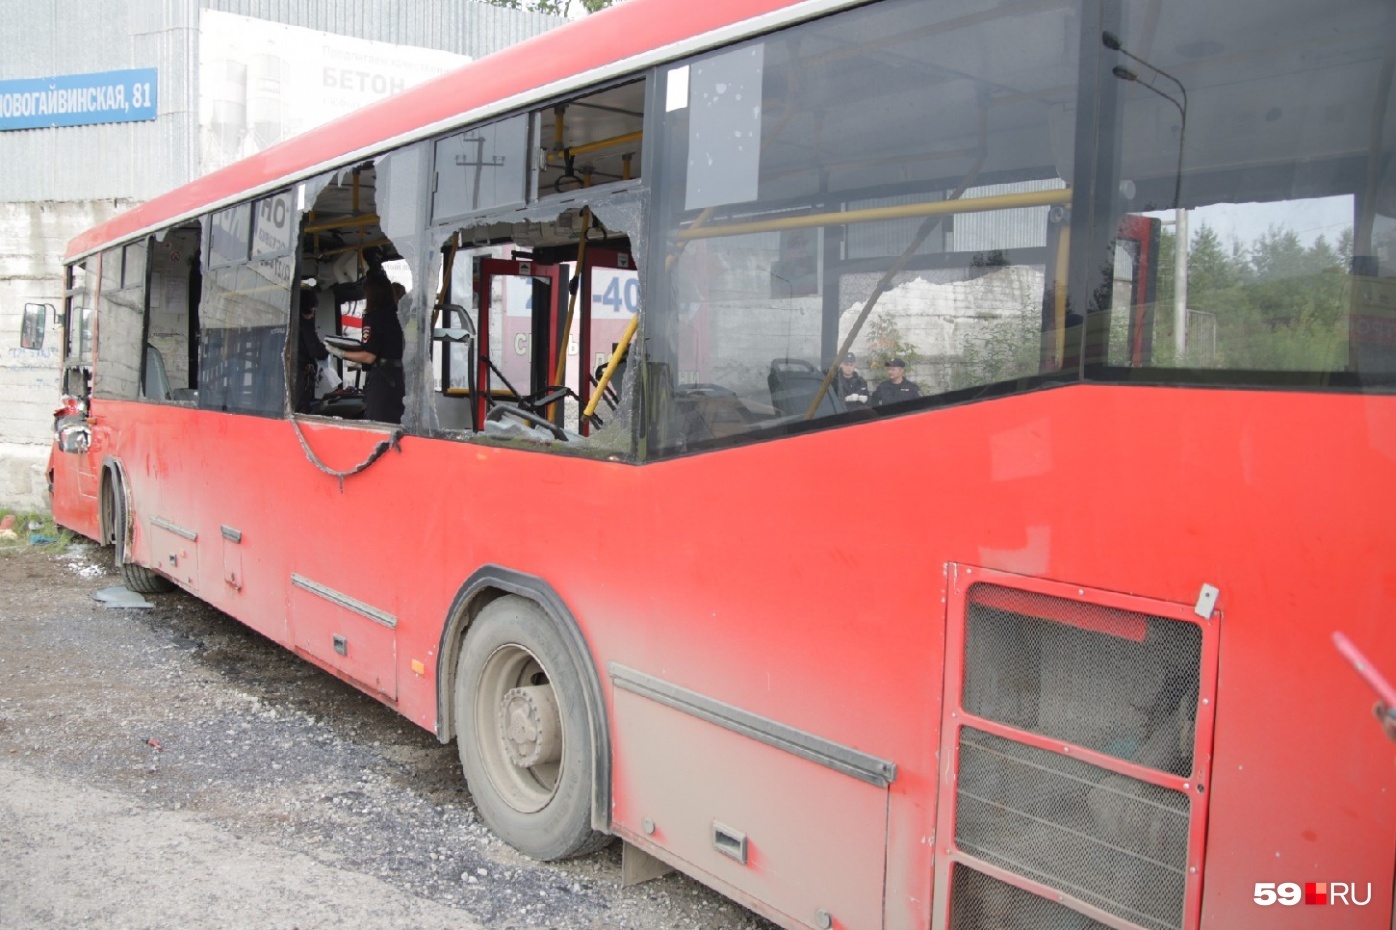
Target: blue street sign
[79,99]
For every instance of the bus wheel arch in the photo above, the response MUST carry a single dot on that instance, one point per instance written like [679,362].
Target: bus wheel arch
[512,656]
[117,528]
[106,510]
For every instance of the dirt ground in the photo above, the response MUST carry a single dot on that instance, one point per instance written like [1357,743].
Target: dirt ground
[168,767]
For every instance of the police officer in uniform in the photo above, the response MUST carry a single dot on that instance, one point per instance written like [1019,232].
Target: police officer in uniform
[849,385]
[896,388]
[382,350]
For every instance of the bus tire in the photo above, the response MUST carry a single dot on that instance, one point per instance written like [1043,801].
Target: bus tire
[135,577]
[522,732]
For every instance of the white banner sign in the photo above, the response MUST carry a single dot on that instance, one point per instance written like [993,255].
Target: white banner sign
[261,82]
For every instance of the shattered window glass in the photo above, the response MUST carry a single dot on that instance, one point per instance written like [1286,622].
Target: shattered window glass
[399,196]
[523,341]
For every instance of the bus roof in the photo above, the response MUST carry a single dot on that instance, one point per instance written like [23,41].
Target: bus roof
[613,42]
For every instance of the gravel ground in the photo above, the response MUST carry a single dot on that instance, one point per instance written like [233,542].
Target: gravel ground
[169,767]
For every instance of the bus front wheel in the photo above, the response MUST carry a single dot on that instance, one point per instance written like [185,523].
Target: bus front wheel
[137,578]
[522,731]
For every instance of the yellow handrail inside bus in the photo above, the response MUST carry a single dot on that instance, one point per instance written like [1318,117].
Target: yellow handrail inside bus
[612,365]
[561,371]
[587,148]
[875,214]
[931,221]
[367,219]
[448,265]
[1059,303]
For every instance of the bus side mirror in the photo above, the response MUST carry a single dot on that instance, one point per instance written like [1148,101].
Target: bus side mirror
[31,328]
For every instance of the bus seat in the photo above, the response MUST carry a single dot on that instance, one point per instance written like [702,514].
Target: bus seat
[794,384]
[156,385]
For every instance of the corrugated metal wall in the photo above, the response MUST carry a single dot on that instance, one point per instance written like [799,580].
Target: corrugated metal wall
[466,27]
[139,160]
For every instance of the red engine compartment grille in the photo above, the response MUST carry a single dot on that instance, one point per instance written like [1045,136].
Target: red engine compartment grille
[1078,726]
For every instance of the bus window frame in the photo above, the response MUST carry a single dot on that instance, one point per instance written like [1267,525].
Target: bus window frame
[213,259]
[113,290]
[255,224]
[529,171]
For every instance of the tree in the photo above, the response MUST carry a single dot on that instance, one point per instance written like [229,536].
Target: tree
[1275,303]
[1209,268]
[554,7]
[888,343]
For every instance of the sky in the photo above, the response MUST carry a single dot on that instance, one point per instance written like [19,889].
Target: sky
[1247,222]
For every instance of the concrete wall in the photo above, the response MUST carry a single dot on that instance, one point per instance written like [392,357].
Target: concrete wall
[33,237]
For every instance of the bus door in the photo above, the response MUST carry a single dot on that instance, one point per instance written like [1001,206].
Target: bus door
[518,323]
[1136,287]
[1132,300]
[610,295]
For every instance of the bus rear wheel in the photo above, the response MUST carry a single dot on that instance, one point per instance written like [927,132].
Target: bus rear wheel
[522,732]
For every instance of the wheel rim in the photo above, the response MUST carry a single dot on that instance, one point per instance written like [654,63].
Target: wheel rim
[519,729]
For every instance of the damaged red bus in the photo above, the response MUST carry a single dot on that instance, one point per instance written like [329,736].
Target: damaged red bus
[1039,636]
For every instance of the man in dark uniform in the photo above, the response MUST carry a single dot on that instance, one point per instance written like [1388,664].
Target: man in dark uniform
[309,351]
[850,386]
[382,350]
[896,388]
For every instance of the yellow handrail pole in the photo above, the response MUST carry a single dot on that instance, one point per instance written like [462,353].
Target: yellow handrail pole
[561,371]
[874,214]
[612,365]
[367,219]
[448,265]
[1059,303]
[598,145]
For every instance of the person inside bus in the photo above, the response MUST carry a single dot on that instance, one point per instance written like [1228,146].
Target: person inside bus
[309,352]
[850,385]
[896,388]
[381,354]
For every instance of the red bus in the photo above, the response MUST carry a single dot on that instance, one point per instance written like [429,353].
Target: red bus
[1038,634]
